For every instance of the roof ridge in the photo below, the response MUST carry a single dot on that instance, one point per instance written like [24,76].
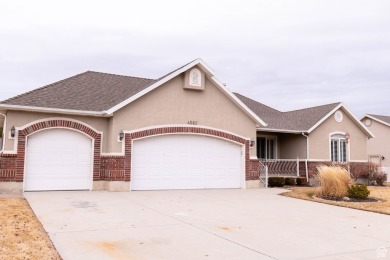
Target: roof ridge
[113,74]
[235,93]
[374,115]
[296,110]
[43,87]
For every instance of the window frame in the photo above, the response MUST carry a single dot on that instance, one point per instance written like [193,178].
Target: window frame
[338,148]
[267,139]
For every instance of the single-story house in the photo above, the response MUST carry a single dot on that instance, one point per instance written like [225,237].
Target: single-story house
[295,142]
[379,147]
[97,131]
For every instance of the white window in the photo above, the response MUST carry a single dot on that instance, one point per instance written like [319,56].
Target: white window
[338,148]
[266,148]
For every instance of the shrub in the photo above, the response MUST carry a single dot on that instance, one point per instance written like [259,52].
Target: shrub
[380,178]
[358,192]
[334,181]
[361,170]
[276,181]
[301,181]
[289,181]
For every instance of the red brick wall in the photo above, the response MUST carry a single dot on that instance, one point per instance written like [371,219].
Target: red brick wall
[312,167]
[7,167]
[112,168]
[253,172]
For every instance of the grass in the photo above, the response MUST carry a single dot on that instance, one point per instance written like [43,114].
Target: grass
[21,234]
[377,192]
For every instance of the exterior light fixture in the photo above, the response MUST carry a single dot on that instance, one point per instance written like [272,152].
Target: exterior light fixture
[382,158]
[252,143]
[13,131]
[121,135]
[347,136]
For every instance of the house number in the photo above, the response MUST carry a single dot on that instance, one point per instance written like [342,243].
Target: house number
[192,122]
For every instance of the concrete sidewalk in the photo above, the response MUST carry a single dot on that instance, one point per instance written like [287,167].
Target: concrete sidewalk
[210,224]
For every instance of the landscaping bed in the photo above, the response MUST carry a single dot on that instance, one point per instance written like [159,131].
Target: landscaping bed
[379,193]
[22,235]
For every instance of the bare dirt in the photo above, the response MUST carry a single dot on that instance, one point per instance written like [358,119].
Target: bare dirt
[21,234]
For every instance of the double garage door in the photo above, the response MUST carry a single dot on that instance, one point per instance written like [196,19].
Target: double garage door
[61,159]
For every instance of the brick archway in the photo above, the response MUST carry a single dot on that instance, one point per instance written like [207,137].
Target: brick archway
[56,123]
[129,137]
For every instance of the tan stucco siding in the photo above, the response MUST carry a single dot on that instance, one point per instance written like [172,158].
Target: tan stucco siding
[380,144]
[21,118]
[292,146]
[319,139]
[171,104]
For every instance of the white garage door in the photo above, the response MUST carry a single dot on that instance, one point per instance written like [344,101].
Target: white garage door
[185,162]
[58,159]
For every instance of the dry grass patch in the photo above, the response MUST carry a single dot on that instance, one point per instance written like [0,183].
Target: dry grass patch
[382,193]
[21,234]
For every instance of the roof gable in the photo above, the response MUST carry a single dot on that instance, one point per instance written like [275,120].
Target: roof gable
[385,120]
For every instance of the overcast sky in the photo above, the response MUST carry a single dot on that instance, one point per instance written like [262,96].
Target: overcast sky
[287,54]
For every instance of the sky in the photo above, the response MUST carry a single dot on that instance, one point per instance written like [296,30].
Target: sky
[287,54]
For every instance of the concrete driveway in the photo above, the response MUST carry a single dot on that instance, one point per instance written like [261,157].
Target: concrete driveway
[206,224]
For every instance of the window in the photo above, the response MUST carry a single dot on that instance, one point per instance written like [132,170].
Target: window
[266,147]
[338,148]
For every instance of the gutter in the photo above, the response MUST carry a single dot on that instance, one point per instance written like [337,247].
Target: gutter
[55,110]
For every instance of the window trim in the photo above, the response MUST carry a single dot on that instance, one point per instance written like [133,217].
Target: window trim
[347,147]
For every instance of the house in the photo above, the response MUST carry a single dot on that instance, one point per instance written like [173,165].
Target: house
[379,147]
[97,131]
[295,142]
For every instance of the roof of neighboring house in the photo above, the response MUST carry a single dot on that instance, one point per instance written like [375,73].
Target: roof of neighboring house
[301,120]
[380,118]
[88,91]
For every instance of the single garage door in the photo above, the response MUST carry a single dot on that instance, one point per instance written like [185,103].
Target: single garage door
[58,159]
[185,162]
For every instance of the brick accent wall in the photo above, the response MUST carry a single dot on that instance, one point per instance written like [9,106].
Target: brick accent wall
[7,167]
[112,168]
[253,170]
[312,167]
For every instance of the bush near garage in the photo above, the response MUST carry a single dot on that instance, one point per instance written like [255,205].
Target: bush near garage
[276,181]
[358,192]
[289,181]
[301,181]
[379,178]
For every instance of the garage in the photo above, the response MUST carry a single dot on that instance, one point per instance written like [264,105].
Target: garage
[181,161]
[58,159]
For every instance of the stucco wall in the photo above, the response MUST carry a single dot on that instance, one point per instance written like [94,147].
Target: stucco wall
[20,118]
[380,144]
[292,146]
[319,139]
[171,104]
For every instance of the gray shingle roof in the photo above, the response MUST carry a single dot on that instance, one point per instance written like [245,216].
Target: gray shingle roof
[296,120]
[88,91]
[382,118]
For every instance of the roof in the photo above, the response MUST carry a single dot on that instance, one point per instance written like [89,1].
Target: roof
[88,91]
[101,94]
[301,120]
[297,121]
[379,118]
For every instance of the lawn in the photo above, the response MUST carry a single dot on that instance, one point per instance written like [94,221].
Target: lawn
[21,234]
[378,192]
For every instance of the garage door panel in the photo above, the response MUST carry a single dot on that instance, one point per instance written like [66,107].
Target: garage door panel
[185,162]
[58,159]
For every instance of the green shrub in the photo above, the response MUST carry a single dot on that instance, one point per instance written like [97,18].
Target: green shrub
[301,181]
[334,181]
[358,192]
[276,181]
[289,181]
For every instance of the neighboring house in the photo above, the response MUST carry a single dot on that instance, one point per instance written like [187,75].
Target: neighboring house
[97,131]
[379,147]
[295,142]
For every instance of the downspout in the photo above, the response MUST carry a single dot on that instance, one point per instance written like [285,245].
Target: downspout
[307,155]
[3,133]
